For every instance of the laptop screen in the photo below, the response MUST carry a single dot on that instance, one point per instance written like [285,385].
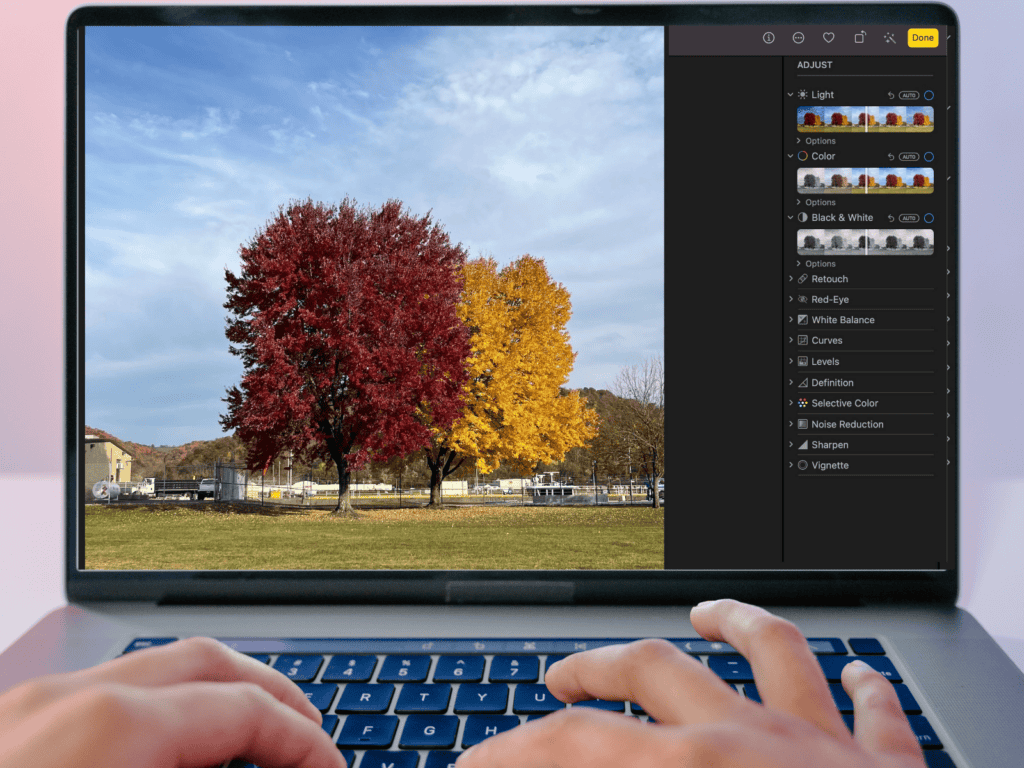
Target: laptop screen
[377,295]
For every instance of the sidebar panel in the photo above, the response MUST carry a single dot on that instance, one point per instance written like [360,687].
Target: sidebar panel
[723,231]
[866,183]
[811,297]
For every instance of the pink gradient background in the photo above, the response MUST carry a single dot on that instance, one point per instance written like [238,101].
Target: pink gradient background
[992,369]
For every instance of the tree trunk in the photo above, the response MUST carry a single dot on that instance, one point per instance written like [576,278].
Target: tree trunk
[440,462]
[344,506]
[435,484]
[657,493]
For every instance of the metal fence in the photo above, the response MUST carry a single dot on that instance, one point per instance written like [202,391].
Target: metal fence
[258,491]
[232,482]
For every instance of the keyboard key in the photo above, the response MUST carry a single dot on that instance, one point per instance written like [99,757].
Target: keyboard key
[459,669]
[404,669]
[608,706]
[376,758]
[320,695]
[429,732]
[300,669]
[926,735]
[262,658]
[442,759]
[936,759]
[636,709]
[423,697]
[147,642]
[842,699]
[862,645]
[368,731]
[534,698]
[845,705]
[907,700]
[481,698]
[732,669]
[751,692]
[551,659]
[350,669]
[513,669]
[329,724]
[480,727]
[832,666]
[826,645]
[365,697]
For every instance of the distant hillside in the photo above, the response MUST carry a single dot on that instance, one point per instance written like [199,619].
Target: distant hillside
[196,458]
[149,460]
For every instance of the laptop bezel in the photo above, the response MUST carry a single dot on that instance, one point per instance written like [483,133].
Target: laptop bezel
[774,587]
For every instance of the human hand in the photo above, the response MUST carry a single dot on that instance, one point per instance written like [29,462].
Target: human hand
[192,703]
[702,722]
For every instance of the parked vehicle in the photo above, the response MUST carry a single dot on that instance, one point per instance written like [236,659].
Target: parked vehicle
[207,488]
[153,487]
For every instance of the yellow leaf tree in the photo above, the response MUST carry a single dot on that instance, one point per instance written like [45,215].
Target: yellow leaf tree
[520,357]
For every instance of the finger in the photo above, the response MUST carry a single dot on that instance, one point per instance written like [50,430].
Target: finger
[215,722]
[580,738]
[196,659]
[879,723]
[670,685]
[788,675]
[190,725]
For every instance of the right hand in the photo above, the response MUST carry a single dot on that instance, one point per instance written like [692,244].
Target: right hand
[701,721]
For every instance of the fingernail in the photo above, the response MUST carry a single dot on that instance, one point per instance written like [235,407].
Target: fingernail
[858,664]
[461,758]
[706,602]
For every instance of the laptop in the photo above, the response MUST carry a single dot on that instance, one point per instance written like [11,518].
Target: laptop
[758,204]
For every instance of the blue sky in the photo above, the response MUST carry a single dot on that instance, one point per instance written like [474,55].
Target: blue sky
[544,141]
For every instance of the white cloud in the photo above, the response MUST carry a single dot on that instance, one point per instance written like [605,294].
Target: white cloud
[99,366]
[544,141]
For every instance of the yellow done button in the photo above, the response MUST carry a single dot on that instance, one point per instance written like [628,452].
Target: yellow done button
[923,38]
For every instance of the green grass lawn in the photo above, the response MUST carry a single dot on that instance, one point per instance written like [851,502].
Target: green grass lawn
[236,537]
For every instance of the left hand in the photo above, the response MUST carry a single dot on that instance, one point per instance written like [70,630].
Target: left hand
[189,704]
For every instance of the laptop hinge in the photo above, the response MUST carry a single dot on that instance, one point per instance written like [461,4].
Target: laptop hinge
[520,592]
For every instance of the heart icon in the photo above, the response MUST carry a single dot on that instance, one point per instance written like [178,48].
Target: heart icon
[829,37]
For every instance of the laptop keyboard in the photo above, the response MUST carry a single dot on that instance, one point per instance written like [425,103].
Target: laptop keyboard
[418,703]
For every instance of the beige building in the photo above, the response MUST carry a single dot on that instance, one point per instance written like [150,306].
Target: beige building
[104,460]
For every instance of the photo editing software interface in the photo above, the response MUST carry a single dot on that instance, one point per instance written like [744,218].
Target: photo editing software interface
[780,199]
[809,177]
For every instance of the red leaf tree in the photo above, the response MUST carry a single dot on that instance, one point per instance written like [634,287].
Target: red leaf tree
[345,321]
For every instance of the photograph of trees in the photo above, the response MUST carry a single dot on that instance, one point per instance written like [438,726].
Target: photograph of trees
[371,272]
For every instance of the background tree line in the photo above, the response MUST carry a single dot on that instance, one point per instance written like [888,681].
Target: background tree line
[627,424]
